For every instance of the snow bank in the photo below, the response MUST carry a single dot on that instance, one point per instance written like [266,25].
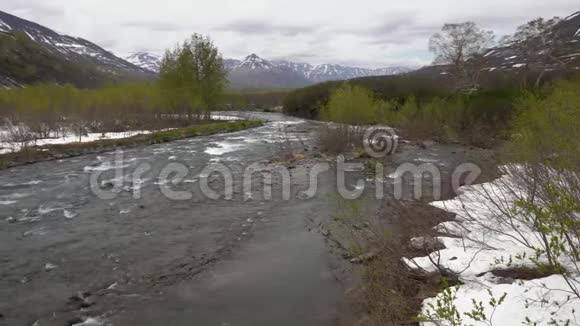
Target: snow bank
[479,241]
[7,147]
[541,301]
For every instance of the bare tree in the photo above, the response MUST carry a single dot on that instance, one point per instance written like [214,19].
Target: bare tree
[539,43]
[461,46]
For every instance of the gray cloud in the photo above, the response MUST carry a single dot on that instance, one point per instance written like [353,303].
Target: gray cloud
[260,27]
[368,33]
[156,26]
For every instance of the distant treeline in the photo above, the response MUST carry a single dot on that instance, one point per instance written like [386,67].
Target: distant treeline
[424,85]
[419,106]
[50,108]
[260,100]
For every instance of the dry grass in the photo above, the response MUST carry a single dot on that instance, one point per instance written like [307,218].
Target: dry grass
[340,139]
[392,293]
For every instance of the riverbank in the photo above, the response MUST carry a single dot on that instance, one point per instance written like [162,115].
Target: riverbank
[375,236]
[35,154]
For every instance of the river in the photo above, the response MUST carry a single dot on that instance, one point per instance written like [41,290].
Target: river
[141,258]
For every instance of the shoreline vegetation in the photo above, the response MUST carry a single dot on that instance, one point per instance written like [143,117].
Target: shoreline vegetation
[503,239]
[182,103]
[36,154]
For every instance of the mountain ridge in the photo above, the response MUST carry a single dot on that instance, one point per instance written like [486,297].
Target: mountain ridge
[255,71]
[68,49]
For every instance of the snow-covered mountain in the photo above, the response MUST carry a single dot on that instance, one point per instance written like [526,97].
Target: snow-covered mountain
[308,73]
[566,34]
[148,61]
[69,48]
[256,72]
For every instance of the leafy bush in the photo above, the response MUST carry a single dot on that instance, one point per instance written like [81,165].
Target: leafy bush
[352,105]
[546,128]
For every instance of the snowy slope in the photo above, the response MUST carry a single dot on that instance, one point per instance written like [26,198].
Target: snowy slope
[148,61]
[566,33]
[70,48]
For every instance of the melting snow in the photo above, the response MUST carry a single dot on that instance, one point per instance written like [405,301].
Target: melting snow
[479,244]
[7,147]
[573,16]
[4,27]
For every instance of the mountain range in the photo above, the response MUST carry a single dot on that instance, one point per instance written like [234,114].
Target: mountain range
[256,72]
[31,53]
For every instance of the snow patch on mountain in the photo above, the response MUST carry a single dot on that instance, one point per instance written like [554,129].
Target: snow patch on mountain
[280,71]
[148,61]
[573,16]
[71,48]
[4,27]
[254,62]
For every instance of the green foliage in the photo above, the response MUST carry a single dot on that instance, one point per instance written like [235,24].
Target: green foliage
[193,75]
[263,99]
[422,106]
[26,62]
[477,118]
[445,312]
[352,105]
[444,309]
[308,102]
[546,145]
[546,126]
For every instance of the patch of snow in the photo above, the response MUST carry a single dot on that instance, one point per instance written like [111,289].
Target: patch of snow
[523,300]
[518,65]
[573,16]
[478,244]
[510,58]
[29,35]
[4,27]
[8,147]
[489,53]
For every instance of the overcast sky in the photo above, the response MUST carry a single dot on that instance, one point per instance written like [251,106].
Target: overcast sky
[367,33]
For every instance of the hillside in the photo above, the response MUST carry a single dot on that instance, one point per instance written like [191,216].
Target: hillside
[30,50]
[503,68]
[23,61]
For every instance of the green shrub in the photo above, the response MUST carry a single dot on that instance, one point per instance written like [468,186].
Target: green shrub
[547,127]
[352,105]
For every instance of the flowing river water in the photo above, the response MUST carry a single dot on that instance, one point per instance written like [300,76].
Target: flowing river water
[139,252]
[67,255]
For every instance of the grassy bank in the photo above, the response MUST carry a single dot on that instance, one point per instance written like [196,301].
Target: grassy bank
[60,151]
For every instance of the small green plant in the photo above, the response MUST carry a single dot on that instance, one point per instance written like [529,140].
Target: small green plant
[445,312]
